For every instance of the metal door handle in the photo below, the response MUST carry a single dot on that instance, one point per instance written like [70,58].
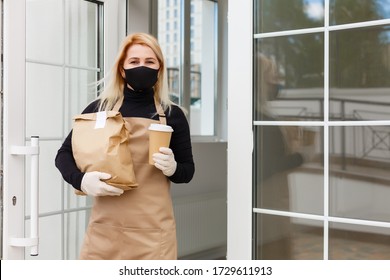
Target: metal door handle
[33,240]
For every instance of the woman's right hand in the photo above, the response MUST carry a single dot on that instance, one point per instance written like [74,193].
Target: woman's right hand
[92,185]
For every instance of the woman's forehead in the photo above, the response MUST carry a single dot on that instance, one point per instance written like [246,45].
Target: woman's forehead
[140,51]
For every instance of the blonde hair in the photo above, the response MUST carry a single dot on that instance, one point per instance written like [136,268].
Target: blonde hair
[268,76]
[113,91]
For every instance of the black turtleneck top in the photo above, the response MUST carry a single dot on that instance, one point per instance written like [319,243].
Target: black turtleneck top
[140,105]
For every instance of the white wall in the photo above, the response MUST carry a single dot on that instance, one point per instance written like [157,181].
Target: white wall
[210,170]
[206,209]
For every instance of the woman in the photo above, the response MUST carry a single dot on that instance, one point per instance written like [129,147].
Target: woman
[135,224]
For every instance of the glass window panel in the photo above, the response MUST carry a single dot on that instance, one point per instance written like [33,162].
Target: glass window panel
[172,48]
[50,245]
[203,74]
[357,242]
[350,11]
[75,201]
[359,172]
[81,33]
[44,96]
[203,63]
[288,168]
[288,77]
[81,89]
[279,15]
[285,238]
[359,74]
[75,226]
[44,30]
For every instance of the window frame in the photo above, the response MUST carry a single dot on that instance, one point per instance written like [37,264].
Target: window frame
[185,71]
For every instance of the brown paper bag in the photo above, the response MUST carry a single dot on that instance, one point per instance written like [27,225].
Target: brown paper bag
[100,142]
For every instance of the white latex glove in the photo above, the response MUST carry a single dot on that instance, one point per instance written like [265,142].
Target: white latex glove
[165,161]
[92,185]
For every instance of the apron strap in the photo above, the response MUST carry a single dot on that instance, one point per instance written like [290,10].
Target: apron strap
[118,104]
[160,112]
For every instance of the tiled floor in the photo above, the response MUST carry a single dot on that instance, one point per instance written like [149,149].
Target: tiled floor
[343,245]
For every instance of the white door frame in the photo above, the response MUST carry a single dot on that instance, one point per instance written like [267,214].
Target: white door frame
[13,125]
[240,136]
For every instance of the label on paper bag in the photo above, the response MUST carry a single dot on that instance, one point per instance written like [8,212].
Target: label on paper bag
[101,118]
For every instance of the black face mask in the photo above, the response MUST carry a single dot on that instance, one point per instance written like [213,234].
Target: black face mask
[141,78]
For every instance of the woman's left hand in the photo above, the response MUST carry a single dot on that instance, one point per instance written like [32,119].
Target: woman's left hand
[165,161]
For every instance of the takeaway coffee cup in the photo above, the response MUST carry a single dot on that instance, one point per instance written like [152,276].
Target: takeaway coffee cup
[159,136]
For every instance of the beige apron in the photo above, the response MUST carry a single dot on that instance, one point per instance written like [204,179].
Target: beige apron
[139,224]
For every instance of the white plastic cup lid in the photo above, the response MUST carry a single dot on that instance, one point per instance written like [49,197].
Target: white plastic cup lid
[160,127]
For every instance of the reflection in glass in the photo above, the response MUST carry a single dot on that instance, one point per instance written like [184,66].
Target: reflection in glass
[359,74]
[359,165]
[288,168]
[288,76]
[356,242]
[284,238]
[278,15]
[349,11]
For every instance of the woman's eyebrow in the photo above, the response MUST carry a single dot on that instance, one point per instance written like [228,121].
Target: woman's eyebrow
[146,58]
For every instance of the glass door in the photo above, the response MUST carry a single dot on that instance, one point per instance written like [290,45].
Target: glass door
[321,130]
[53,57]
[308,155]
